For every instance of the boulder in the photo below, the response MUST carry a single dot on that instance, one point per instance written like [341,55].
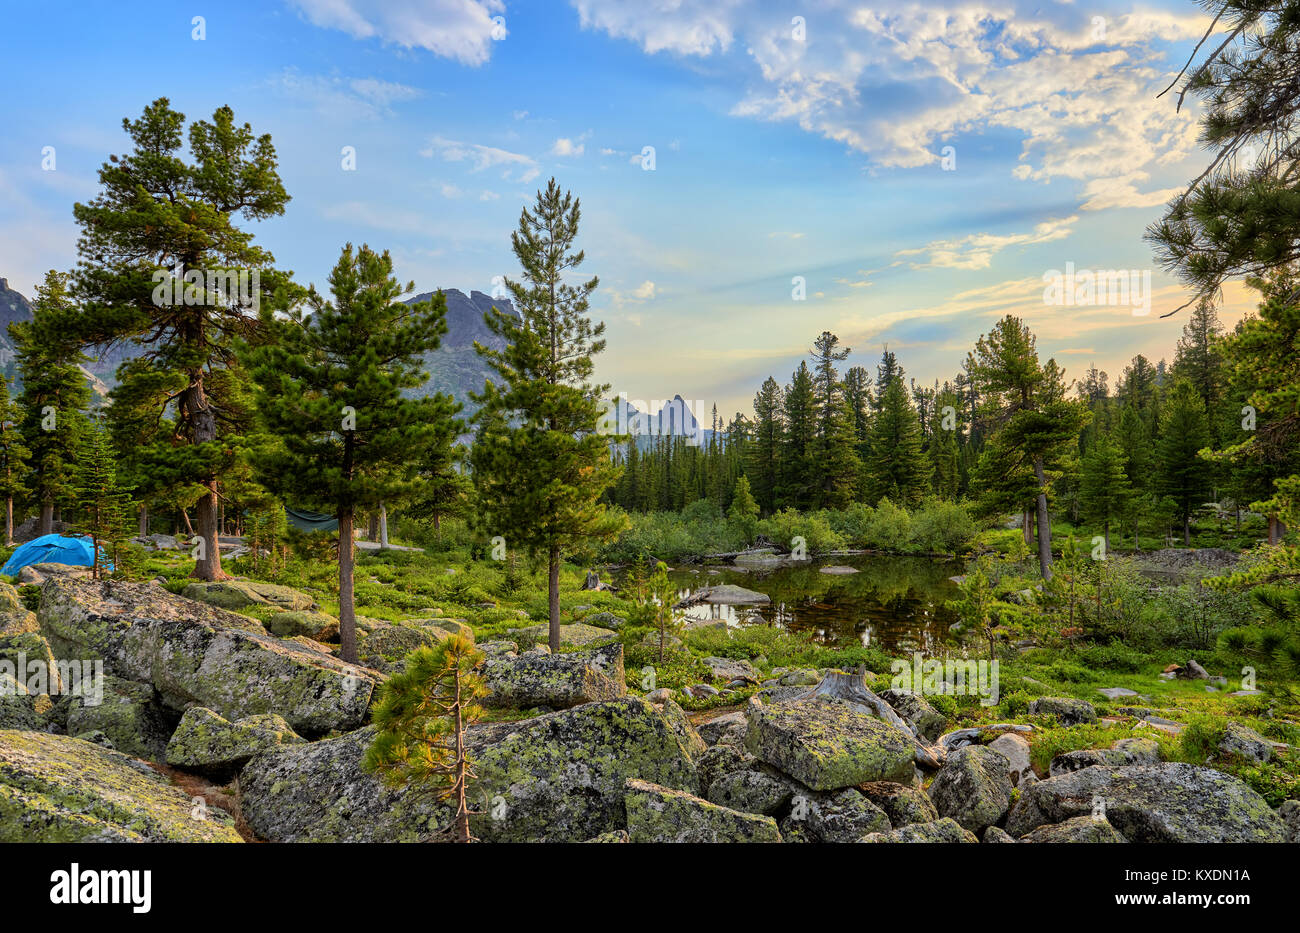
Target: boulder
[1067,710]
[1123,753]
[1289,813]
[664,814]
[455,627]
[844,816]
[576,634]
[605,620]
[728,594]
[555,680]
[924,718]
[241,594]
[973,787]
[944,830]
[18,707]
[727,729]
[127,713]
[558,777]
[828,744]
[902,803]
[1015,748]
[618,835]
[721,760]
[752,790]
[15,618]
[1075,829]
[995,834]
[1171,802]
[194,654]
[383,646]
[207,742]
[59,789]
[731,669]
[318,626]
[1242,743]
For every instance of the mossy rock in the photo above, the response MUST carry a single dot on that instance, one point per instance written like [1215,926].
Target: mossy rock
[54,788]
[1066,710]
[384,646]
[15,618]
[663,814]
[828,744]
[1123,753]
[242,594]
[194,654]
[1170,802]
[128,713]
[973,787]
[318,626]
[576,634]
[555,680]
[209,743]
[18,707]
[902,803]
[945,830]
[1076,829]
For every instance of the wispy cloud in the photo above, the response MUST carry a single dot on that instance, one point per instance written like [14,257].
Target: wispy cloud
[458,29]
[516,166]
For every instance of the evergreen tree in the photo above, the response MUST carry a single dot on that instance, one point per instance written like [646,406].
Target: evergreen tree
[1199,355]
[1181,473]
[744,510]
[540,467]
[55,393]
[1024,403]
[330,387]
[1104,490]
[764,462]
[422,717]
[799,467]
[105,504]
[897,468]
[14,456]
[944,445]
[164,268]
[1134,442]
[836,447]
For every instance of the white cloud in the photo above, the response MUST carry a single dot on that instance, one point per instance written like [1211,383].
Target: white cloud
[567,148]
[457,29]
[343,98]
[977,250]
[642,293]
[515,166]
[685,27]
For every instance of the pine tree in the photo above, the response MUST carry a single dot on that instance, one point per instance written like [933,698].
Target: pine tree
[897,468]
[744,510]
[1181,473]
[422,717]
[1024,405]
[944,445]
[164,268]
[1104,490]
[14,457]
[1199,355]
[330,388]
[836,447]
[55,393]
[104,503]
[1134,442]
[799,468]
[764,461]
[540,467]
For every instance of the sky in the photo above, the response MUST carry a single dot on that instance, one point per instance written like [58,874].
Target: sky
[751,173]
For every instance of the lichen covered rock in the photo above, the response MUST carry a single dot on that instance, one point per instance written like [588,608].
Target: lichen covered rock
[902,803]
[973,787]
[555,680]
[944,830]
[574,635]
[128,713]
[54,788]
[1171,802]
[195,654]
[1067,710]
[917,711]
[663,814]
[241,594]
[828,744]
[1122,754]
[1076,829]
[207,742]
[318,626]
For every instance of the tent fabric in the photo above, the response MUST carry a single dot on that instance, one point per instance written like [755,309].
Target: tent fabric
[311,521]
[76,551]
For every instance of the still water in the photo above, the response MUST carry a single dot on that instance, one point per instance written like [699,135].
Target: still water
[895,603]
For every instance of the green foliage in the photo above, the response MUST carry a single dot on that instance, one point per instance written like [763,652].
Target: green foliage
[104,502]
[744,510]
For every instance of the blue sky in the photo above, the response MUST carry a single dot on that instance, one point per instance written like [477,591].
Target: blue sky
[783,149]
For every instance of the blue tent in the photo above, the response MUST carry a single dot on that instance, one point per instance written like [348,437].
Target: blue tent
[52,549]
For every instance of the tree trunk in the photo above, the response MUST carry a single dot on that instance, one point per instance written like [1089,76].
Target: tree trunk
[462,805]
[1044,523]
[1024,525]
[9,521]
[144,520]
[46,524]
[383,526]
[553,591]
[1106,531]
[347,607]
[372,529]
[185,518]
[207,510]
[1273,536]
[1187,531]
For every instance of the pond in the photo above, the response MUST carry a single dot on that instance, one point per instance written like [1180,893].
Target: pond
[894,603]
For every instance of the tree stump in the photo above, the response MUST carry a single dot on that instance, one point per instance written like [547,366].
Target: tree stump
[852,688]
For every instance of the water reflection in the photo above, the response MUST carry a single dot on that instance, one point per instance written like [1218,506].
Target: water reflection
[895,603]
